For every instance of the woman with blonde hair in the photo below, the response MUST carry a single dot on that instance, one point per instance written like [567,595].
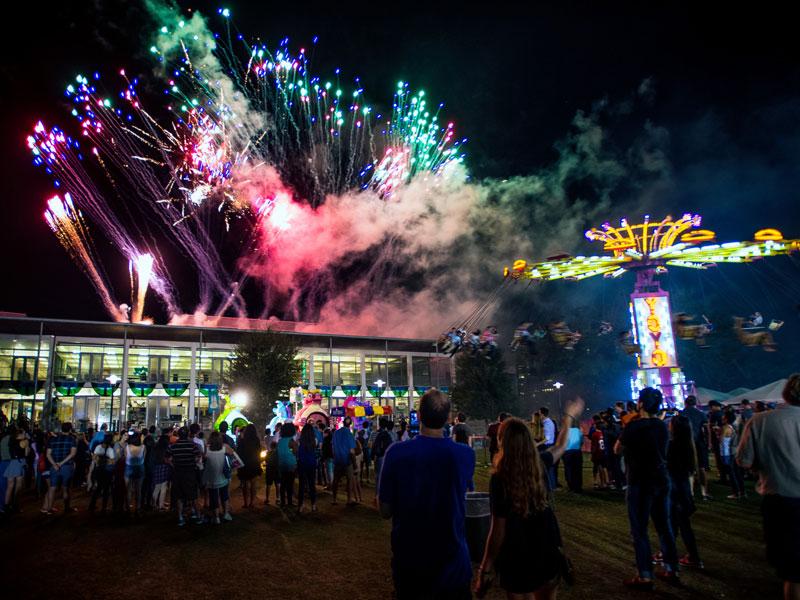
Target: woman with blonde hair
[524,543]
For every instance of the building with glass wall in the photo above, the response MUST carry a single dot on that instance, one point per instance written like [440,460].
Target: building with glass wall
[92,373]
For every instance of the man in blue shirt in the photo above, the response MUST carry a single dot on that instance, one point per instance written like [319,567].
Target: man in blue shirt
[343,446]
[98,437]
[422,488]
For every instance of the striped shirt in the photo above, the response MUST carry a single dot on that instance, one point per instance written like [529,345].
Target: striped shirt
[184,454]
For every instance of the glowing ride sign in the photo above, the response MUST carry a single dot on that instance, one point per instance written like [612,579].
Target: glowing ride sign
[654,330]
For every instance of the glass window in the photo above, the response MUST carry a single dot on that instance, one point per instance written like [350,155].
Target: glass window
[440,371]
[160,364]
[81,362]
[397,373]
[375,367]
[212,365]
[421,366]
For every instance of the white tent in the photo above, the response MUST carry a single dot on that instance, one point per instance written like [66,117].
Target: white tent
[706,395]
[738,391]
[768,393]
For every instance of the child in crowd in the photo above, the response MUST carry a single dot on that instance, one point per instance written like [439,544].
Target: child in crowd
[272,475]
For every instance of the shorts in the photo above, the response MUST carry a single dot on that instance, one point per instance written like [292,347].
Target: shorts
[217,497]
[62,476]
[340,470]
[782,535]
[15,468]
[134,471]
[184,482]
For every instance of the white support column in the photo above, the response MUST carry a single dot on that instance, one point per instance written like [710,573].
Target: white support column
[123,386]
[50,405]
[193,383]
[311,382]
[410,379]
[363,367]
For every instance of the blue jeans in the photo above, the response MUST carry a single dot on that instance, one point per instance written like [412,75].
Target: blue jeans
[306,484]
[680,515]
[552,473]
[643,502]
[735,473]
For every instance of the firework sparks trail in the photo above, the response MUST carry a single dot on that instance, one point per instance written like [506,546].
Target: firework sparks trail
[66,222]
[143,266]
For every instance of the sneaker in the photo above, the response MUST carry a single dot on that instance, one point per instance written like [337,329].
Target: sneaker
[637,583]
[181,522]
[227,517]
[216,521]
[687,561]
[732,496]
[658,558]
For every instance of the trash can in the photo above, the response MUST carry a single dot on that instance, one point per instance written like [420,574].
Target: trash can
[478,522]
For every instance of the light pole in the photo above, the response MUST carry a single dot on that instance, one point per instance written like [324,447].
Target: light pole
[380,383]
[113,380]
[558,385]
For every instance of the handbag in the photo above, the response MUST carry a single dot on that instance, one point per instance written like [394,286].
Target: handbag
[226,467]
[236,461]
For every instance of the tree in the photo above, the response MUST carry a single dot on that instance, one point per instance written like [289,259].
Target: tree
[483,388]
[265,366]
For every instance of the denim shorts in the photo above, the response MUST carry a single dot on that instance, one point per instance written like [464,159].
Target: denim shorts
[134,471]
[62,476]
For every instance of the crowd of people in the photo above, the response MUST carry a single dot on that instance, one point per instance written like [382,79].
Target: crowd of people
[189,471]
[660,459]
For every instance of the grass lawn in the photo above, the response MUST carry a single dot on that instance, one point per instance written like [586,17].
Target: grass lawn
[342,552]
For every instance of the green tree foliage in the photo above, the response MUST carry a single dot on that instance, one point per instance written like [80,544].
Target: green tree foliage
[483,388]
[264,365]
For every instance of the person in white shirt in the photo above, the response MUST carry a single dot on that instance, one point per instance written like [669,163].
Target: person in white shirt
[549,432]
[770,446]
[102,472]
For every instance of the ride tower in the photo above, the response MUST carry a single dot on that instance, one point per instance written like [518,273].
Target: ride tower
[653,335]
[648,249]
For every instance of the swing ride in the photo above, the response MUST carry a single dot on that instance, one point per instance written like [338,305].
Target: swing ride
[648,249]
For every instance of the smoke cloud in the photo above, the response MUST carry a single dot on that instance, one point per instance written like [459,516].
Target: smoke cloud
[421,260]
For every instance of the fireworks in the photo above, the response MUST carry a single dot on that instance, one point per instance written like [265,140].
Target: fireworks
[246,137]
[67,224]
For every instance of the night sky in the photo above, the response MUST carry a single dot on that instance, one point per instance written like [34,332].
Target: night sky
[722,85]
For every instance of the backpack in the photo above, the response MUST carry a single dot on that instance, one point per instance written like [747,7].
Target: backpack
[382,442]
